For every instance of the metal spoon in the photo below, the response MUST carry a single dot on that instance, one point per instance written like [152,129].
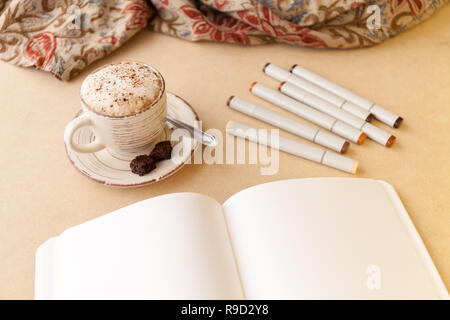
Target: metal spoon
[199,135]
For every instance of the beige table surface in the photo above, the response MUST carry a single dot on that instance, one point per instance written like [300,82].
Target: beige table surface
[41,194]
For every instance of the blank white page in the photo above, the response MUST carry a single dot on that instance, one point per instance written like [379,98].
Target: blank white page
[328,238]
[169,247]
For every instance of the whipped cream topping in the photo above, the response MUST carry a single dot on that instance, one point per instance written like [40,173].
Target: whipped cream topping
[121,89]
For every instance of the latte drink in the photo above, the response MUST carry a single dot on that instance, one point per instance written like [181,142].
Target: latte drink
[125,106]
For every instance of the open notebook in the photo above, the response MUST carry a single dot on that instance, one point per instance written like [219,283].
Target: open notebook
[313,238]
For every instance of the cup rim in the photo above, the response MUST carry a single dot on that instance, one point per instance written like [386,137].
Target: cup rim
[160,96]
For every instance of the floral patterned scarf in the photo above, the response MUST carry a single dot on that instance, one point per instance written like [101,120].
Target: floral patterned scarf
[64,36]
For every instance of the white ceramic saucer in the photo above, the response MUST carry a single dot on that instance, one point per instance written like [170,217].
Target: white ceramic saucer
[105,168]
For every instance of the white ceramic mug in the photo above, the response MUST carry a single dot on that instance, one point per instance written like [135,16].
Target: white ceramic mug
[122,135]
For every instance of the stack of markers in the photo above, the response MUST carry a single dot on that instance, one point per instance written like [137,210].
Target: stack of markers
[343,113]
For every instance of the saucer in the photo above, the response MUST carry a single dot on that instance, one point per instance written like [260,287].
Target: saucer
[112,170]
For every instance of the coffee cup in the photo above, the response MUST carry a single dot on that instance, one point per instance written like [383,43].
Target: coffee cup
[125,106]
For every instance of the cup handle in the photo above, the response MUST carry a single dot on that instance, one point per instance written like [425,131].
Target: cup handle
[77,123]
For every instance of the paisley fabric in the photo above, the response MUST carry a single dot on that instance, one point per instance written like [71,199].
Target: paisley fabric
[64,36]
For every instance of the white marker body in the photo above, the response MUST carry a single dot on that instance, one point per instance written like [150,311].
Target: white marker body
[283,75]
[379,112]
[302,130]
[315,154]
[376,134]
[372,131]
[306,112]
